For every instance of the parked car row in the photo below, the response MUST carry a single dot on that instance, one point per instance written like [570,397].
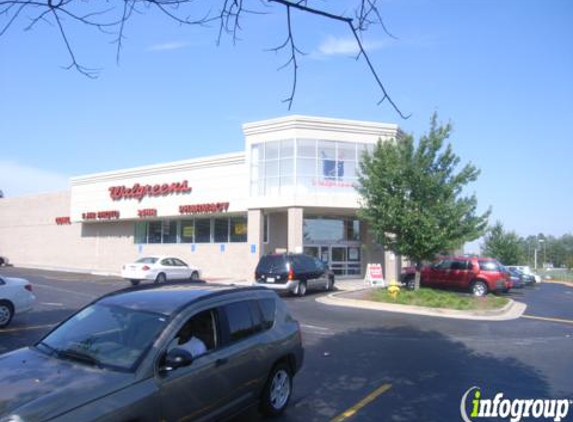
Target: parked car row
[479,276]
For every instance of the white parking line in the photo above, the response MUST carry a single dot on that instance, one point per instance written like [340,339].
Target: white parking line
[314,327]
[51,304]
[35,327]
[58,289]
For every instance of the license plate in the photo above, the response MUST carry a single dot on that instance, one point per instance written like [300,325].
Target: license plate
[270,279]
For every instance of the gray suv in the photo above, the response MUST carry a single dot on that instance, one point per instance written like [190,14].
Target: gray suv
[167,353]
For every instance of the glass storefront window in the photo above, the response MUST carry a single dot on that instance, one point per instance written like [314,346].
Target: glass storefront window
[238,229]
[221,230]
[331,230]
[287,148]
[140,235]
[352,228]
[203,230]
[304,166]
[169,231]
[272,150]
[187,231]
[306,148]
[271,169]
[318,230]
[200,230]
[154,234]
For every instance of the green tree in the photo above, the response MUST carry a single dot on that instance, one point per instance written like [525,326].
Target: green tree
[505,246]
[412,196]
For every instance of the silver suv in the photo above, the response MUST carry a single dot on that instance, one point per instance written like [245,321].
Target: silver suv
[168,353]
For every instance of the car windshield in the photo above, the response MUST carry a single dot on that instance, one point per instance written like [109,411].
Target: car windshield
[105,335]
[146,260]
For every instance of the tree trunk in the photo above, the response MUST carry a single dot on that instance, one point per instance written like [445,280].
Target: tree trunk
[418,276]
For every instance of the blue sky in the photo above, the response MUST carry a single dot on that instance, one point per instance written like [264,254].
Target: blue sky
[502,72]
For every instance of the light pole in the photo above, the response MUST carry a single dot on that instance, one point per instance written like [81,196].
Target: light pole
[538,241]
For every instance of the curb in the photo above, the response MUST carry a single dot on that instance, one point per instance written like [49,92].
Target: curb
[512,310]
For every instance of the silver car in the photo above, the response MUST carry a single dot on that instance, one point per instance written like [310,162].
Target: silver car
[126,357]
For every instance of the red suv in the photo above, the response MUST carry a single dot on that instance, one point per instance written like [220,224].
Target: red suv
[478,275]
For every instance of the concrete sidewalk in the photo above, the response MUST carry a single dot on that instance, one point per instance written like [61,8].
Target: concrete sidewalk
[340,284]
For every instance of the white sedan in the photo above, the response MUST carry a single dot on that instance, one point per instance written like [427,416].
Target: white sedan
[16,297]
[159,269]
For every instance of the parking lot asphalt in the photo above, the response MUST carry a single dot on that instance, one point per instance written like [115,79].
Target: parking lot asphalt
[376,366]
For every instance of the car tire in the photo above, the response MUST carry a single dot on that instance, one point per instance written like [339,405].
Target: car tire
[6,313]
[479,288]
[134,282]
[161,278]
[1,261]
[194,276]
[277,391]
[301,289]
[329,284]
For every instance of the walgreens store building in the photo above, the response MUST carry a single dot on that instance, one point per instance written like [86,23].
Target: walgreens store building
[292,188]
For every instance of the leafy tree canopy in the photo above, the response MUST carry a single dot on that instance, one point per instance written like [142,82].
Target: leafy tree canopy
[502,245]
[412,195]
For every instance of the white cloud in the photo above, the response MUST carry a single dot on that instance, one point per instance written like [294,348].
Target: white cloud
[347,46]
[172,45]
[17,179]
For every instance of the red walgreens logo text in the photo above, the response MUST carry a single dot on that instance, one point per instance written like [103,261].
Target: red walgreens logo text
[138,191]
[63,220]
[203,208]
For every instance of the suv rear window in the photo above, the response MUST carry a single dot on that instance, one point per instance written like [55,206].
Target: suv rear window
[489,266]
[271,263]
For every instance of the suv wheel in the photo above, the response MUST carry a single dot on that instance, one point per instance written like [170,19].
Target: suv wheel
[134,282]
[161,278]
[329,284]
[300,289]
[277,392]
[6,313]
[479,288]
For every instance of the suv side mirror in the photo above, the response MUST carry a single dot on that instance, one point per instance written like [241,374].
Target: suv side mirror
[177,358]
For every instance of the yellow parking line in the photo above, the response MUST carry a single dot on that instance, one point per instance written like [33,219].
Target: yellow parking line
[34,327]
[564,321]
[348,413]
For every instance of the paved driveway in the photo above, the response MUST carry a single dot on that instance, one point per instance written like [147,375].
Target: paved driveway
[378,366]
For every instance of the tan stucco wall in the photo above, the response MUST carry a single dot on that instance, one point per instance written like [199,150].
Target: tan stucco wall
[29,237]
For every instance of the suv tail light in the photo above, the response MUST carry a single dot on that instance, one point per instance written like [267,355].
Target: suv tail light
[28,287]
[145,268]
[290,274]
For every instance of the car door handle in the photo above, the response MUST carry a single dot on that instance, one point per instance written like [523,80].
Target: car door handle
[221,361]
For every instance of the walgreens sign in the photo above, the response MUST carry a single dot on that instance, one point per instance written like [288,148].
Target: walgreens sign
[138,191]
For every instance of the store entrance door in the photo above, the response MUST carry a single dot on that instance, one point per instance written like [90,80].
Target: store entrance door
[343,260]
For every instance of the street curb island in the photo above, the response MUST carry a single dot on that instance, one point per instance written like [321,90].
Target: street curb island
[512,310]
